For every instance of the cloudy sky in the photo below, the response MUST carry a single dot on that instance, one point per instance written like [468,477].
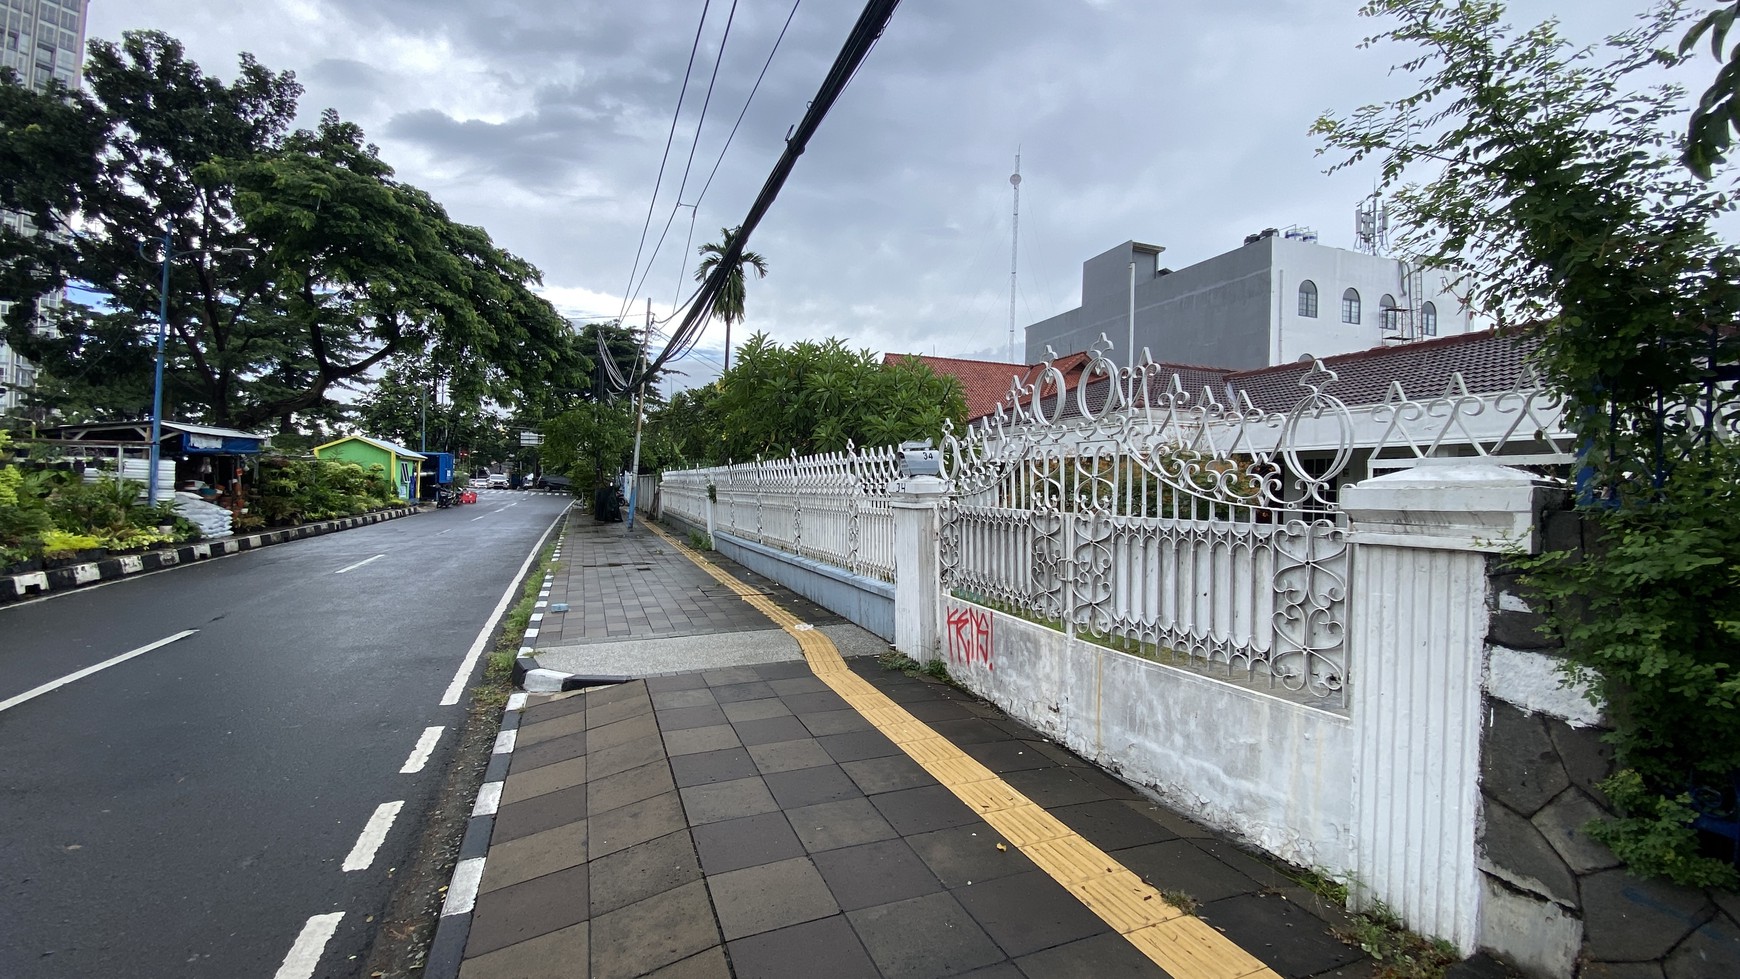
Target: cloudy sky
[1177,122]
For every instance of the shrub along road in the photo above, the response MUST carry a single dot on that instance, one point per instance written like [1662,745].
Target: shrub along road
[235,801]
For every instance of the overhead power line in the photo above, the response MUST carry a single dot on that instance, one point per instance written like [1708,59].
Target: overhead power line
[862,38]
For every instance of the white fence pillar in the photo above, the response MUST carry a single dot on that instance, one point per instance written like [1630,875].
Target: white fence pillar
[1417,629]
[917,572]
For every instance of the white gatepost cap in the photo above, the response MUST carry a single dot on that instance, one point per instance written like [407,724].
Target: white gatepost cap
[1459,506]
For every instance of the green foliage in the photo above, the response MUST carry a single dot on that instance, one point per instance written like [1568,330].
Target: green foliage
[700,541]
[1709,132]
[1399,953]
[728,304]
[818,397]
[61,544]
[297,261]
[1655,837]
[1555,198]
[293,491]
[1181,900]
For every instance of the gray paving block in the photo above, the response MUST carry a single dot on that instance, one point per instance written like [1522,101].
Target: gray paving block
[962,855]
[536,907]
[835,722]
[769,896]
[733,844]
[875,873]
[715,801]
[637,873]
[887,774]
[809,786]
[650,934]
[695,740]
[627,788]
[622,828]
[923,937]
[548,956]
[787,756]
[754,710]
[535,815]
[795,951]
[831,825]
[1090,958]
[770,730]
[1027,912]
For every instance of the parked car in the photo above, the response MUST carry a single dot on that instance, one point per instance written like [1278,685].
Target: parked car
[498,481]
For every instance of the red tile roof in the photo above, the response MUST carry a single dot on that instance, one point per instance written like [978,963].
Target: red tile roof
[987,381]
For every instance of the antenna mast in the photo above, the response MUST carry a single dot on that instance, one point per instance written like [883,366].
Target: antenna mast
[1014,247]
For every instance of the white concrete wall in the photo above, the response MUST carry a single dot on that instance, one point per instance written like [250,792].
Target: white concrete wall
[1272,772]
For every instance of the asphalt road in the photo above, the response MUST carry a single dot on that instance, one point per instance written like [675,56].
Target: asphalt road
[195,810]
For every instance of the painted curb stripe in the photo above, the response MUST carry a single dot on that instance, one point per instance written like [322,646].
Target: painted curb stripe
[1184,946]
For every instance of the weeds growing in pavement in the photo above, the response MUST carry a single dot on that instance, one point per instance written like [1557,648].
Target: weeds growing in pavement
[1180,900]
[700,541]
[894,659]
[1399,953]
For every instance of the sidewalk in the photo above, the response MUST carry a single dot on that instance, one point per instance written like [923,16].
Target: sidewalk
[782,811]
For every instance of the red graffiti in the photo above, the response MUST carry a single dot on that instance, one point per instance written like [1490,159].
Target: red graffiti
[969,637]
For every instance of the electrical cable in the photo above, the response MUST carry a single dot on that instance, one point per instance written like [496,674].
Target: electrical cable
[871,22]
[659,180]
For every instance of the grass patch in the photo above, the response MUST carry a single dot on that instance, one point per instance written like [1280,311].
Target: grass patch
[894,660]
[1400,953]
[700,541]
[1182,901]
[1320,883]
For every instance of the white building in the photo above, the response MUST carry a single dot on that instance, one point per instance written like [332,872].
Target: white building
[1277,297]
[41,40]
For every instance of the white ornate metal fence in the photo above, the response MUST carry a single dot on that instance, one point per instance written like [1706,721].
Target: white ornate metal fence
[832,508]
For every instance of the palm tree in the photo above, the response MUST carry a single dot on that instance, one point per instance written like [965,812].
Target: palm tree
[728,304]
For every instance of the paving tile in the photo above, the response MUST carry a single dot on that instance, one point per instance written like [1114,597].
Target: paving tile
[771,729]
[875,873]
[716,801]
[814,702]
[522,786]
[1002,970]
[672,699]
[537,907]
[798,685]
[682,681]
[797,951]
[886,774]
[1178,865]
[746,842]
[831,825]
[680,718]
[782,671]
[694,740]
[858,744]
[786,756]
[622,757]
[754,710]
[1057,786]
[653,933]
[733,692]
[549,956]
[637,873]
[548,752]
[809,786]
[835,722]
[1028,912]
[935,711]
[970,730]
[1008,756]
[731,674]
[710,964]
[621,732]
[616,694]
[962,855]
[769,896]
[926,808]
[1090,958]
[626,788]
[1266,874]
[517,861]
[713,766]
[923,937]
[1179,825]
[535,815]
[553,706]
[622,828]
[1110,825]
[599,715]
[1285,936]
[556,727]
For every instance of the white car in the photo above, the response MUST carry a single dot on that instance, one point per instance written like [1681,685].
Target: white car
[498,481]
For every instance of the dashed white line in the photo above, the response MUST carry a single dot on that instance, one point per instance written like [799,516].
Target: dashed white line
[305,954]
[359,564]
[425,747]
[462,890]
[374,833]
[54,685]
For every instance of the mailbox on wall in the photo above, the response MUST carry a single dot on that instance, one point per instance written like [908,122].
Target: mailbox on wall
[919,459]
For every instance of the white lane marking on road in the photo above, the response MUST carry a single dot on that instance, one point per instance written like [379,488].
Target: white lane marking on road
[305,954]
[462,890]
[359,564]
[447,531]
[374,833]
[52,685]
[457,687]
[488,800]
[425,747]
[505,740]
[481,516]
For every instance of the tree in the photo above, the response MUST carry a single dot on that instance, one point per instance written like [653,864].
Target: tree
[817,397]
[1554,193]
[1716,118]
[297,262]
[728,304]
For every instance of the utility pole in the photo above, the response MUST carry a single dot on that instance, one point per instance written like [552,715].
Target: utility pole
[1014,247]
[639,413]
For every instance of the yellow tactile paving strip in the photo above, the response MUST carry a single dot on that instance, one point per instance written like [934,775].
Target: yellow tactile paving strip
[1183,945]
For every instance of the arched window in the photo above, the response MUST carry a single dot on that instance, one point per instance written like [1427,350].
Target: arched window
[1389,317]
[1308,299]
[1429,320]
[1350,306]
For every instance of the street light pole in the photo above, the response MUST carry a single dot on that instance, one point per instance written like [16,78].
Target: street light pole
[157,387]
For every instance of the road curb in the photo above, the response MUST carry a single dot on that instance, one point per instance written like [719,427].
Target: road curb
[37,583]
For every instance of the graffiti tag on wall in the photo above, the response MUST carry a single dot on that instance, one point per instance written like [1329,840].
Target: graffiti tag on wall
[969,637]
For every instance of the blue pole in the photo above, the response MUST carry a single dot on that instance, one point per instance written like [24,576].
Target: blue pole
[157,388]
